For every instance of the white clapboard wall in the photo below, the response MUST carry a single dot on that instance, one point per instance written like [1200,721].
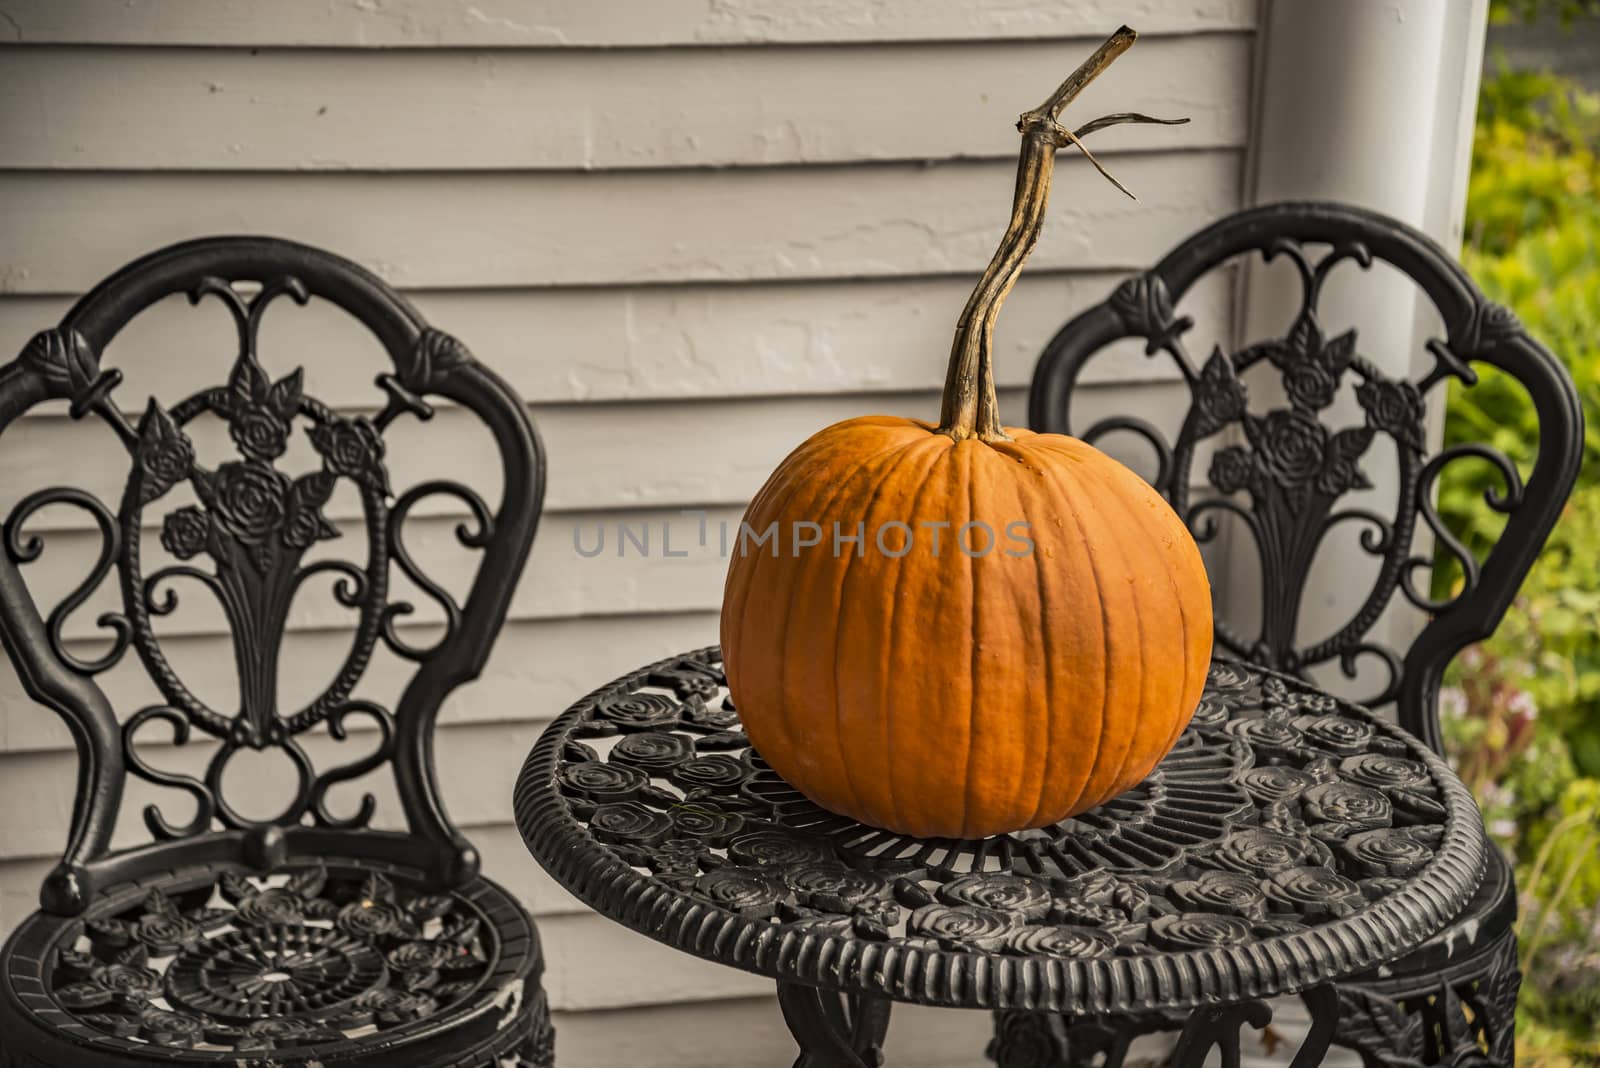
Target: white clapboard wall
[689,232]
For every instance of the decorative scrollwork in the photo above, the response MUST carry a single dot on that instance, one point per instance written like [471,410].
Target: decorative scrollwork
[1292,464]
[1144,429]
[1506,499]
[1375,539]
[299,803]
[350,589]
[1249,832]
[1390,660]
[292,966]
[220,488]
[22,550]
[1294,469]
[354,770]
[468,536]
[205,799]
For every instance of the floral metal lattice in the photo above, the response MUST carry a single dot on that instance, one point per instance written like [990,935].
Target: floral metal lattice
[254,523]
[1281,814]
[249,964]
[1290,470]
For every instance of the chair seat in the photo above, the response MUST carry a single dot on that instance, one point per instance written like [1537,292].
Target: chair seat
[348,961]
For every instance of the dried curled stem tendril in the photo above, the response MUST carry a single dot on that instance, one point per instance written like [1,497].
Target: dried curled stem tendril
[971,407]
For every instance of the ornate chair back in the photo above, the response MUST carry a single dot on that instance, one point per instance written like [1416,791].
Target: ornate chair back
[1287,474]
[245,539]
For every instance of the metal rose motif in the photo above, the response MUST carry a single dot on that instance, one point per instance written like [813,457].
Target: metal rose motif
[258,410]
[1261,853]
[247,499]
[1225,892]
[184,533]
[1017,894]
[832,887]
[652,751]
[640,711]
[1311,366]
[1314,892]
[1232,469]
[596,781]
[716,771]
[1290,443]
[629,823]
[1280,696]
[1271,736]
[963,925]
[1340,802]
[1385,852]
[770,848]
[1340,734]
[1395,408]
[1063,941]
[1198,930]
[1383,772]
[1218,848]
[1273,783]
[352,448]
[699,820]
[749,892]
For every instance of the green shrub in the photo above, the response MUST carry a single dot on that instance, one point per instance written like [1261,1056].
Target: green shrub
[1523,709]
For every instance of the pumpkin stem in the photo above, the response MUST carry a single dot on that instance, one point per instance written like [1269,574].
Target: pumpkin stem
[971,407]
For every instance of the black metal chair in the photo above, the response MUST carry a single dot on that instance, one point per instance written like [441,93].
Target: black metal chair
[307,938]
[1283,482]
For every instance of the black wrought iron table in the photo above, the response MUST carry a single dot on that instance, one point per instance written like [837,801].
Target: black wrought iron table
[1289,841]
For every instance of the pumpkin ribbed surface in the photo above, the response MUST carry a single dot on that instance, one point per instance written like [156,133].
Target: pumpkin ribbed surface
[965,693]
[1023,627]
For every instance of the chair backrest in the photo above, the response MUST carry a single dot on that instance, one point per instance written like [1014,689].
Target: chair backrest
[251,525]
[1285,479]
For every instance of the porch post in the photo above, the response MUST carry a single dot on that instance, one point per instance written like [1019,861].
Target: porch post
[1370,102]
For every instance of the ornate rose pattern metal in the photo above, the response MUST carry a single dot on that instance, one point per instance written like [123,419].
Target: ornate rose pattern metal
[1284,473]
[249,964]
[1197,856]
[254,523]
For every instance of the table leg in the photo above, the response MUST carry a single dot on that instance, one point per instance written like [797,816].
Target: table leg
[1047,1040]
[1218,1027]
[834,1030]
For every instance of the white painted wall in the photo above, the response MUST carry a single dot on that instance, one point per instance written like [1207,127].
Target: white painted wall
[690,232]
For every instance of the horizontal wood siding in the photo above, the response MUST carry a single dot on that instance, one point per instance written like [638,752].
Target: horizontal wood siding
[690,233]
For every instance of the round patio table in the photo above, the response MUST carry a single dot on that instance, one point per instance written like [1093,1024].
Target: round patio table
[1289,840]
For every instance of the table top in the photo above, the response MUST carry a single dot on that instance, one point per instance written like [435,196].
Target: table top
[1289,839]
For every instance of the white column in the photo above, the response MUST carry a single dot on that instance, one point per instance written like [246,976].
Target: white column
[1368,102]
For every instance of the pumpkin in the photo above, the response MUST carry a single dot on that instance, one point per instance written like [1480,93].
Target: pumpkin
[962,629]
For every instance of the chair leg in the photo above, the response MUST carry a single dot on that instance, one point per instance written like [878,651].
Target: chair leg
[1465,1011]
[540,1049]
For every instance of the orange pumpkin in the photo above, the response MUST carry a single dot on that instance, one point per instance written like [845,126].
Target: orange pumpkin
[965,629]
